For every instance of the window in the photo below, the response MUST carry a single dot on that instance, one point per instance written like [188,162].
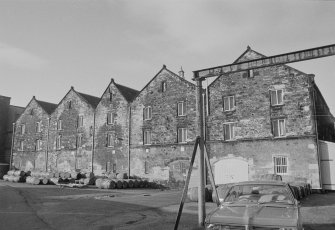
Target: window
[250,73]
[110,118]
[38,145]
[59,125]
[228,103]
[114,168]
[110,96]
[110,140]
[147,113]
[38,126]
[163,86]
[278,128]
[32,112]
[69,104]
[58,142]
[146,167]
[183,167]
[182,135]
[23,129]
[147,137]
[229,131]
[80,121]
[79,141]
[280,164]
[276,97]
[181,108]
[21,146]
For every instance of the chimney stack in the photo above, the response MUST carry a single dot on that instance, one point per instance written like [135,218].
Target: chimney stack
[181,72]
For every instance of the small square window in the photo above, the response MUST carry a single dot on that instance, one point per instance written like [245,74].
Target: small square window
[280,164]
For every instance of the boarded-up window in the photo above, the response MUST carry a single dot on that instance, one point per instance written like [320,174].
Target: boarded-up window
[146,167]
[280,164]
[276,97]
[229,131]
[278,128]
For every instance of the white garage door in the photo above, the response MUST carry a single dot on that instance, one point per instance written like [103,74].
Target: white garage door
[327,150]
[231,170]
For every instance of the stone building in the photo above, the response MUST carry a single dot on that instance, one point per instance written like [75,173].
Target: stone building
[8,115]
[163,127]
[71,133]
[30,144]
[112,116]
[266,120]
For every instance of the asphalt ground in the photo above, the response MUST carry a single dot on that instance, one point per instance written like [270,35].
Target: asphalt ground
[24,206]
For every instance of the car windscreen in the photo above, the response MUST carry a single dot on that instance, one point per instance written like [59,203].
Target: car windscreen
[259,193]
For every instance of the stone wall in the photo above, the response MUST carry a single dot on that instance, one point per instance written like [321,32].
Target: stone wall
[31,157]
[111,158]
[69,156]
[164,124]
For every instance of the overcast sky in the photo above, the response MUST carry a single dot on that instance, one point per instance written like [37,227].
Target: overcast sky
[47,46]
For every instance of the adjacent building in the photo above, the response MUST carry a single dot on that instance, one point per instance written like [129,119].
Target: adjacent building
[266,120]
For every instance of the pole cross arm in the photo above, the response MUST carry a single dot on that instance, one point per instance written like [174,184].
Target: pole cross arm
[280,59]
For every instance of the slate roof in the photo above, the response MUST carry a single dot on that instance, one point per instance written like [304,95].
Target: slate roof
[128,93]
[92,100]
[47,106]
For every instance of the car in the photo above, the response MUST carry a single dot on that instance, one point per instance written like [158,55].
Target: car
[258,205]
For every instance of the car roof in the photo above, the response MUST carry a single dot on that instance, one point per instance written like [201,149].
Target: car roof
[261,182]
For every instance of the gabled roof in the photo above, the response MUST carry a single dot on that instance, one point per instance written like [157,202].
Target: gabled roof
[243,57]
[172,73]
[92,100]
[47,106]
[128,93]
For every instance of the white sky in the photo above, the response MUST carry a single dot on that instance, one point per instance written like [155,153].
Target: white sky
[47,46]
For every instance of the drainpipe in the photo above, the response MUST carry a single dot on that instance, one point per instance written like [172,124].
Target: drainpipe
[47,149]
[93,143]
[129,133]
[11,149]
